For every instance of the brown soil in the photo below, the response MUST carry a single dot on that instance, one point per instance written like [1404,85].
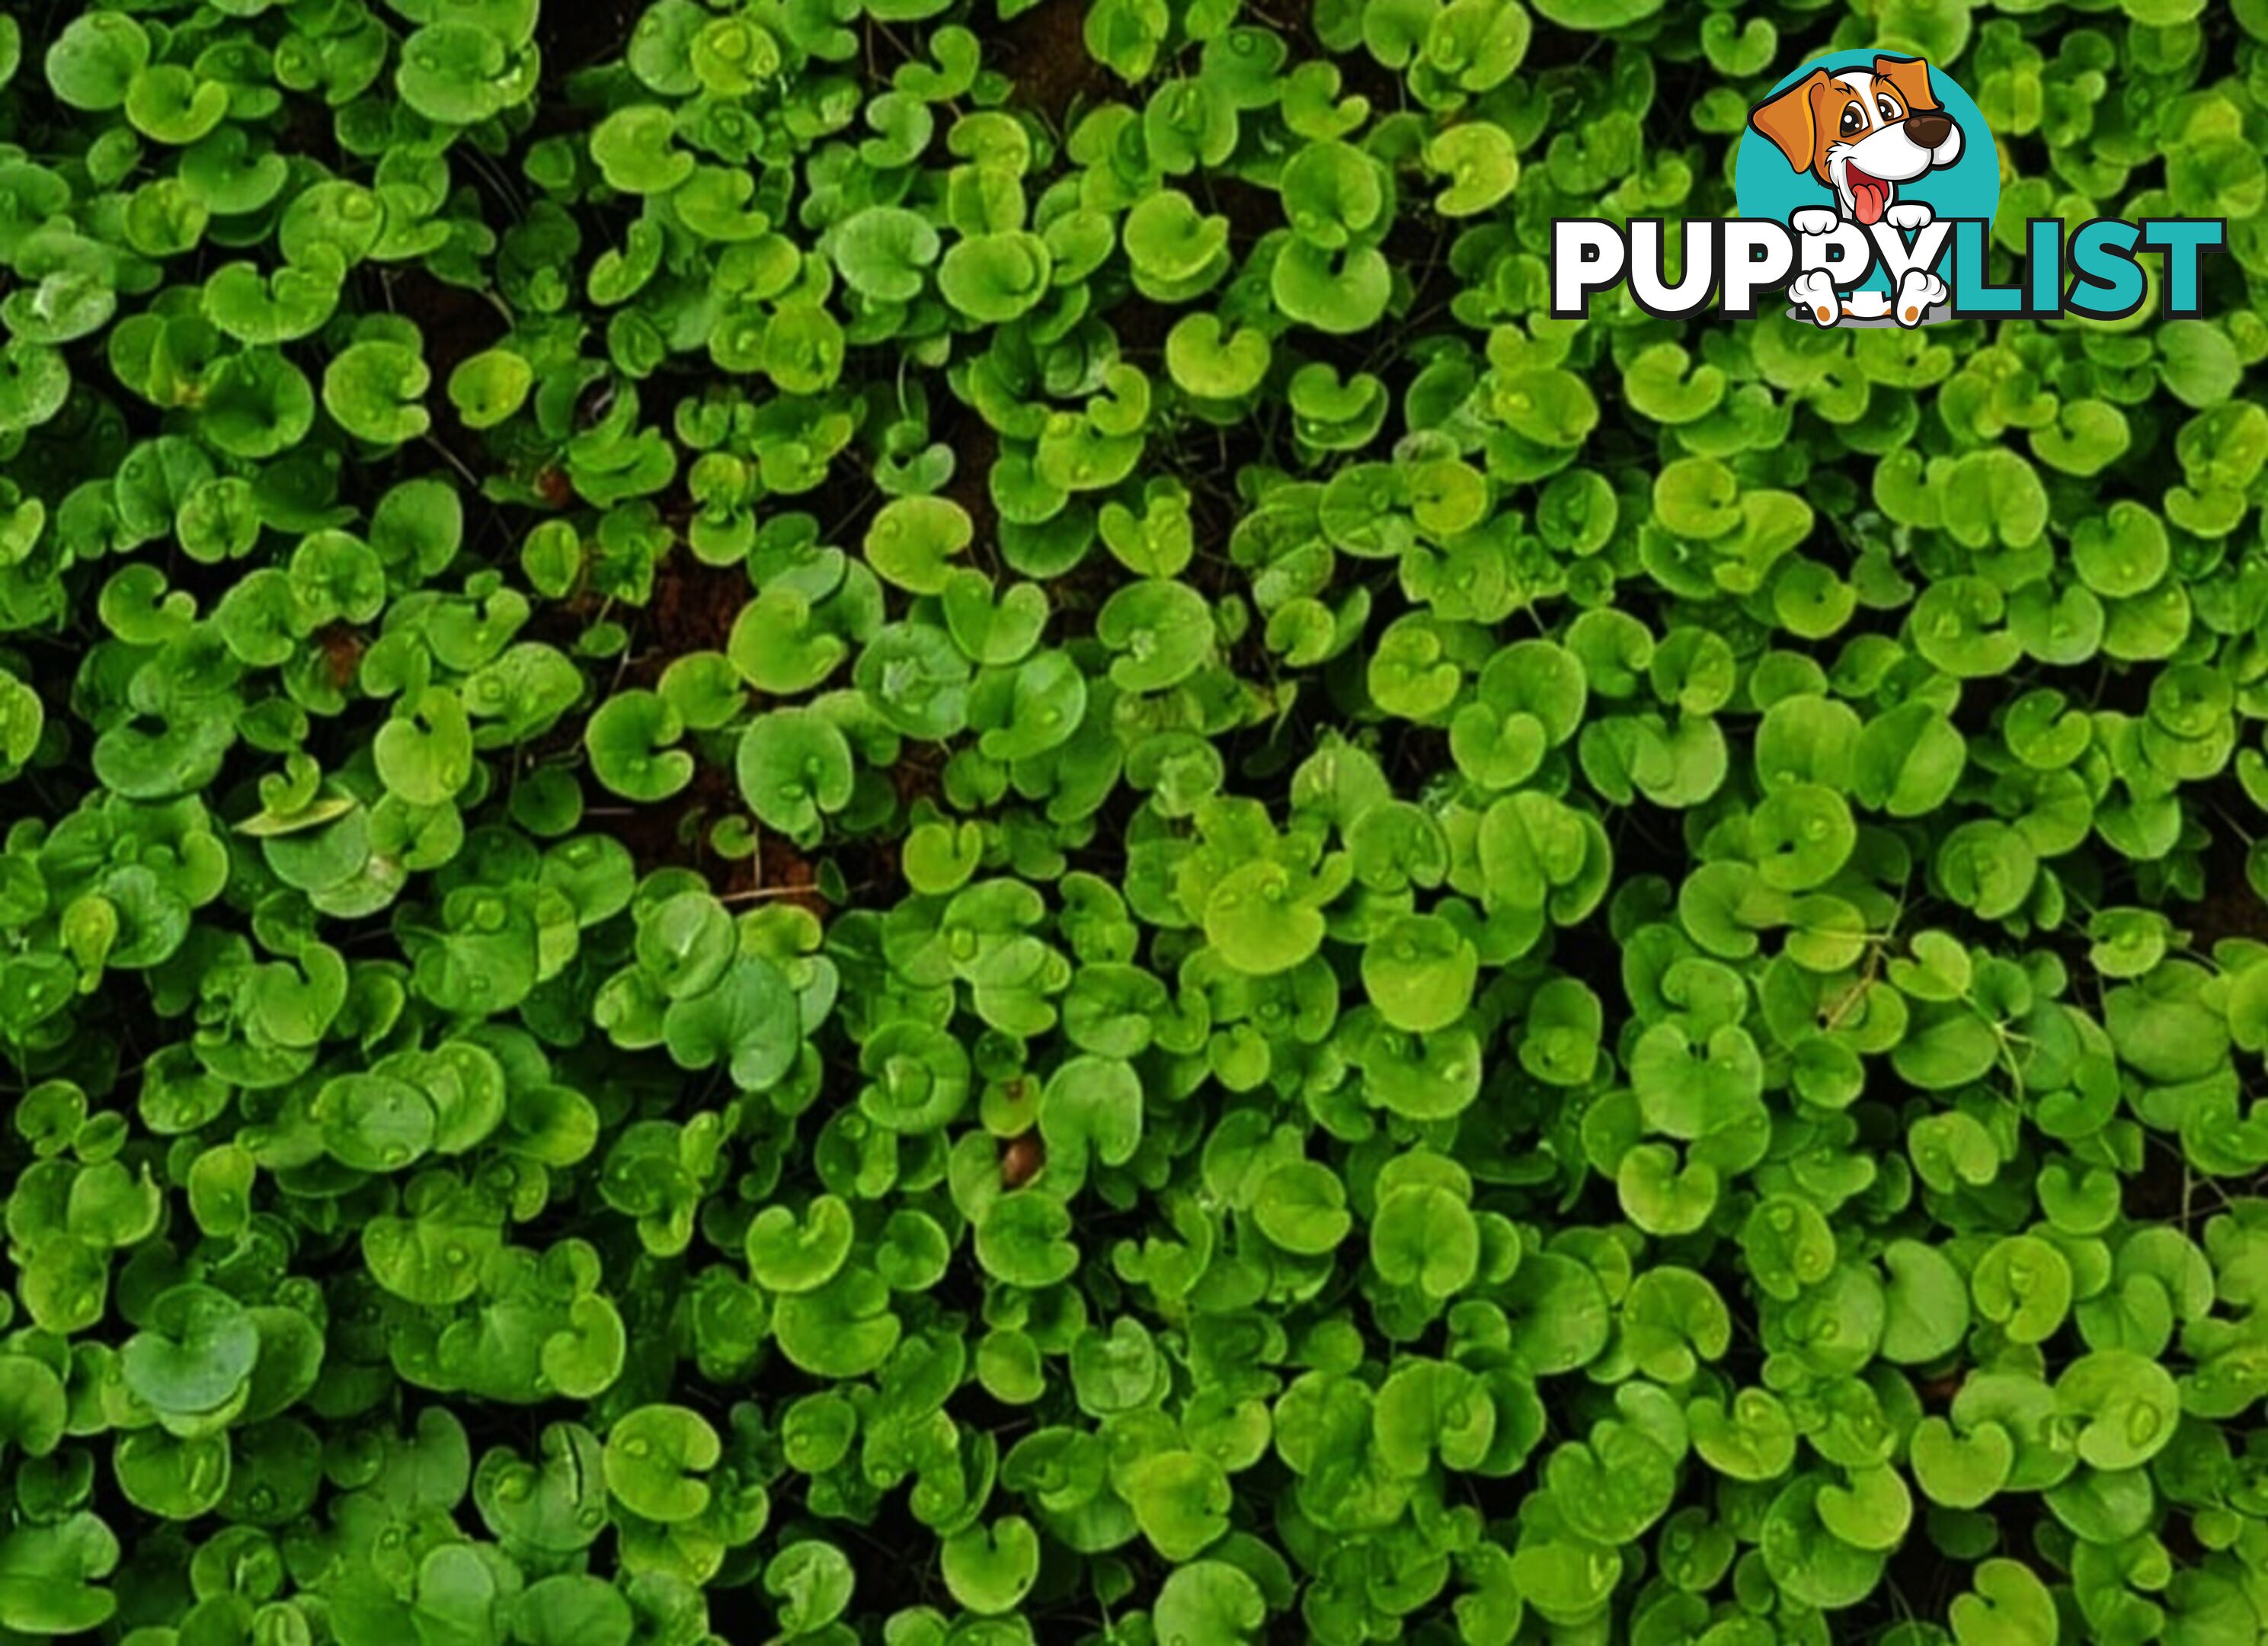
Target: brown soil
[785,872]
[342,645]
[693,607]
[2229,908]
[1140,325]
[919,773]
[1044,52]
[674,834]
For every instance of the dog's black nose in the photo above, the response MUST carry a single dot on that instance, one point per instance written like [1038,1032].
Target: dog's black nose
[1929,128]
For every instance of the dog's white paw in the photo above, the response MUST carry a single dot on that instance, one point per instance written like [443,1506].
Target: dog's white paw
[1812,220]
[1909,214]
[1919,291]
[1813,293]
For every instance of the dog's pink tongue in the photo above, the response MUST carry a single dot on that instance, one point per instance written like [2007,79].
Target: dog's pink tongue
[1870,197]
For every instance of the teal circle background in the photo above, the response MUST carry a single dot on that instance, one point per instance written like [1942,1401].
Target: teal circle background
[1764,185]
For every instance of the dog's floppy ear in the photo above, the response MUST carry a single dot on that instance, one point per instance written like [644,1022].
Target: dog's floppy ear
[1791,121]
[1909,76]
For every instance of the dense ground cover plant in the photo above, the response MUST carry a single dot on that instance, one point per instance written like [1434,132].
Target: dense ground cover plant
[890,821]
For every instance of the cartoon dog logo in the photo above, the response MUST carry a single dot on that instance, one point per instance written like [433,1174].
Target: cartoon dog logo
[1861,134]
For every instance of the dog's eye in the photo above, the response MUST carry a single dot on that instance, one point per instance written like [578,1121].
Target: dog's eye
[1889,109]
[1852,120]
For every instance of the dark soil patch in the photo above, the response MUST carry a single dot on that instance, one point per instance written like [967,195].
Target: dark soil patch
[1252,209]
[2159,1191]
[882,50]
[584,35]
[975,446]
[560,622]
[1359,73]
[308,128]
[1043,51]
[675,833]
[693,607]
[786,875]
[2230,906]
[1079,594]
[1140,325]
[919,773]
[455,322]
[1418,250]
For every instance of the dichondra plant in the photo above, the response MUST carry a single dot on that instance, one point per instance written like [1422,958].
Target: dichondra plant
[905,821]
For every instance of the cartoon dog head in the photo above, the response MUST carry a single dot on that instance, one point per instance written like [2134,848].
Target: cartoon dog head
[1862,134]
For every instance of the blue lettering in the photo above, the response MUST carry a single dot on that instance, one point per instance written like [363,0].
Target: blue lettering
[2110,284]
[2044,264]
[1974,295]
[2184,240]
